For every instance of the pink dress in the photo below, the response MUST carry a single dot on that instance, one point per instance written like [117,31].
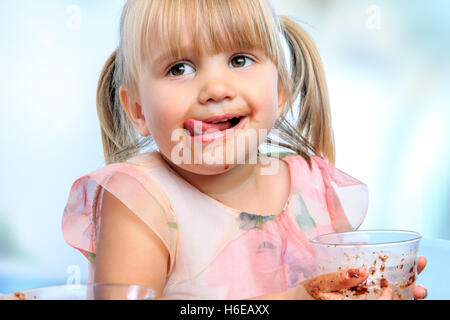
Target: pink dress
[217,252]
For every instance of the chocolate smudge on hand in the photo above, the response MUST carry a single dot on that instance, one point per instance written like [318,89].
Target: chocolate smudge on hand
[384,283]
[359,290]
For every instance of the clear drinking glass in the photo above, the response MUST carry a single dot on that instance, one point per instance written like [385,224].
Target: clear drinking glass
[90,291]
[390,256]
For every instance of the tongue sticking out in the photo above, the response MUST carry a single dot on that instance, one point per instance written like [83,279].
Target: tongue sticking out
[198,127]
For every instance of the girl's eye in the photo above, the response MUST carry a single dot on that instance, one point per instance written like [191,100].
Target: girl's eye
[239,61]
[179,69]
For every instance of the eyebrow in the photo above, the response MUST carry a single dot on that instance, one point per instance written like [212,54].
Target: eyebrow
[166,55]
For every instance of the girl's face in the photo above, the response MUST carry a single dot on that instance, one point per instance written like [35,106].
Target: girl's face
[244,83]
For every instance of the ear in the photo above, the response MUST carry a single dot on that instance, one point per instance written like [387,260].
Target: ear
[134,111]
[282,98]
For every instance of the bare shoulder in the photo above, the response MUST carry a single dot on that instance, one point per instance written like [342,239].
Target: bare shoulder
[128,251]
[276,179]
[274,169]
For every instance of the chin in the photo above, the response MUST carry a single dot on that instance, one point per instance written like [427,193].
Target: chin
[203,160]
[208,169]
[203,166]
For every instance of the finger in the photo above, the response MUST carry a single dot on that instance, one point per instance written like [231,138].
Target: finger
[420,292]
[333,296]
[335,281]
[386,294]
[421,263]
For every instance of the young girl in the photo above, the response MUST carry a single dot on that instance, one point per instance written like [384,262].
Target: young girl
[199,76]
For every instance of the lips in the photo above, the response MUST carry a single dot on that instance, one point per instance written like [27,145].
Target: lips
[222,122]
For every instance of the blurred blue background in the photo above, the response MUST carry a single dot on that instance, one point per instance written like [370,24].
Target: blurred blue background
[387,67]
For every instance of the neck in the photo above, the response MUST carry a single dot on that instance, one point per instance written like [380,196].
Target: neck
[236,181]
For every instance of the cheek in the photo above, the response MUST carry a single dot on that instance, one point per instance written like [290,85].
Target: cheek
[164,109]
[266,96]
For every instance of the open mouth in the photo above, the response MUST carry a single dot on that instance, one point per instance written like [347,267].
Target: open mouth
[199,127]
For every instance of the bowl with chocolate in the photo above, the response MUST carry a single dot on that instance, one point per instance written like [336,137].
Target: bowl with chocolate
[390,257]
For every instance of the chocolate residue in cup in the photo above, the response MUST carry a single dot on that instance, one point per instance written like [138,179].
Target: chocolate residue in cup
[347,256]
[384,283]
[383,260]
[410,281]
[398,294]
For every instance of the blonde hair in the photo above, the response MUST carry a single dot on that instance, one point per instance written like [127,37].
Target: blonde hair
[216,26]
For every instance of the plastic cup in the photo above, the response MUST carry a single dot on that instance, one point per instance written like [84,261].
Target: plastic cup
[90,291]
[390,257]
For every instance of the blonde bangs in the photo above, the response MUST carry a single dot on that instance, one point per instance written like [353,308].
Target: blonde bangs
[206,26]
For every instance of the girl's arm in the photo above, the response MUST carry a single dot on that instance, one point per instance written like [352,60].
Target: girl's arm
[128,251]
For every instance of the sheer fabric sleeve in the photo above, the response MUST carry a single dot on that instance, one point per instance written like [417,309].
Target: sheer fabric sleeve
[347,198]
[135,189]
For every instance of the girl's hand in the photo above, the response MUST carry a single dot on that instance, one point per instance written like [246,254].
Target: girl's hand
[326,286]
[419,291]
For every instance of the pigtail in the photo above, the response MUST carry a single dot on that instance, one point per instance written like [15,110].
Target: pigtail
[119,138]
[308,79]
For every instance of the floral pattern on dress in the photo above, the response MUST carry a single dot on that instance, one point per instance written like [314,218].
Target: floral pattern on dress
[250,221]
[301,212]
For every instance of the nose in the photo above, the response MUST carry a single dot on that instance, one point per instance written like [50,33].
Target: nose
[217,87]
